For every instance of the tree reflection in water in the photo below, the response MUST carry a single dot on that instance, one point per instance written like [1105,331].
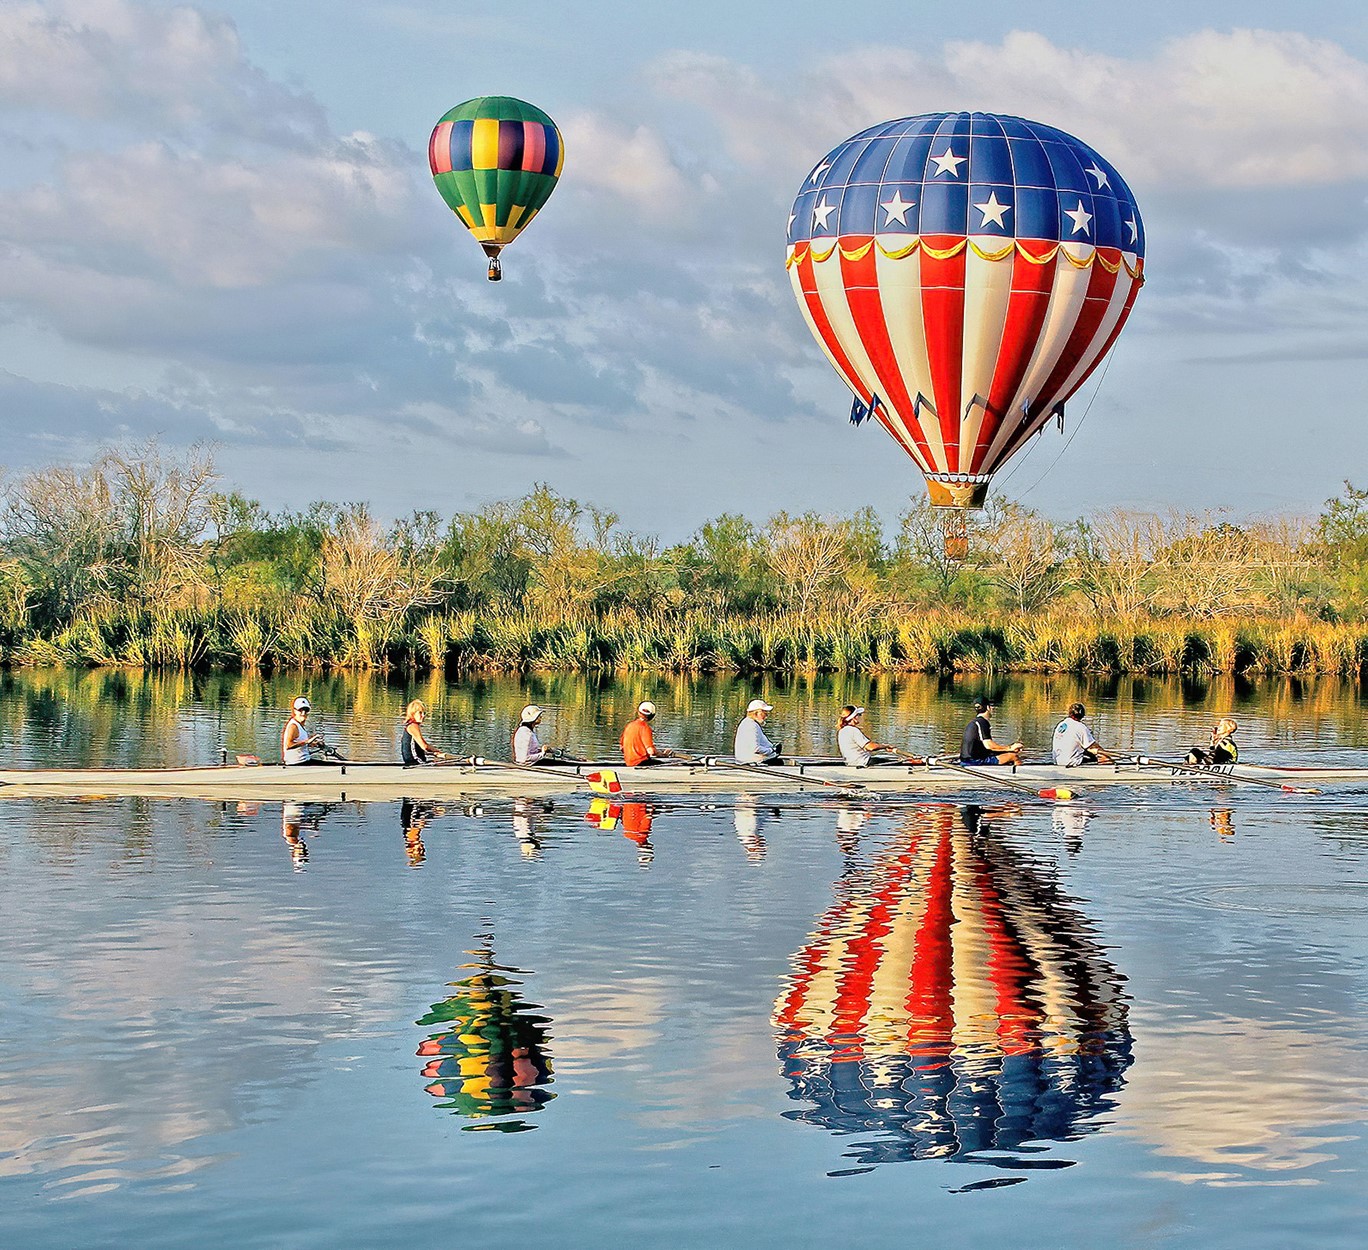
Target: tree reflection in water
[953,1001]
[489,1060]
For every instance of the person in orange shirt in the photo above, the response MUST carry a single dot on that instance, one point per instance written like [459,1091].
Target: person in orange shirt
[638,742]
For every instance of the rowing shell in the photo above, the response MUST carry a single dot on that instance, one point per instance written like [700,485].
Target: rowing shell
[332,782]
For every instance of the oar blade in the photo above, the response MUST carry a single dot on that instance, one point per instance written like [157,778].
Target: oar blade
[604,781]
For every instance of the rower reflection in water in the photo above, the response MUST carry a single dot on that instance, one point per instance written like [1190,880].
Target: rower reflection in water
[525,815]
[413,819]
[952,1001]
[633,820]
[749,819]
[489,1059]
[295,820]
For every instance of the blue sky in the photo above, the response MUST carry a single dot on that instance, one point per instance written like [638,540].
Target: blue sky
[217,225]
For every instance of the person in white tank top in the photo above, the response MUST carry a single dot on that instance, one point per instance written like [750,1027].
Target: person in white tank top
[297,744]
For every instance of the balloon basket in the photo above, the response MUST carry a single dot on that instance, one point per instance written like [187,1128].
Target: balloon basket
[954,527]
[495,270]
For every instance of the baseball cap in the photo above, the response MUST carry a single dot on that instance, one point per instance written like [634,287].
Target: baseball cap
[758,705]
[983,702]
[530,713]
[302,704]
[859,711]
[646,708]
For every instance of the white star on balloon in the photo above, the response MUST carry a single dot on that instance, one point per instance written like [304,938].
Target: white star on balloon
[1133,228]
[948,163]
[1080,218]
[819,171]
[790,220]
[821,213]
[993,211]
[1099,174]
[896,208]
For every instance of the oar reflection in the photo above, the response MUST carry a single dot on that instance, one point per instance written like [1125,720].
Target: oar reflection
[952,1001]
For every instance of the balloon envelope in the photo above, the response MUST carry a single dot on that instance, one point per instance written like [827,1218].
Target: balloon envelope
[495,161]
[964,273]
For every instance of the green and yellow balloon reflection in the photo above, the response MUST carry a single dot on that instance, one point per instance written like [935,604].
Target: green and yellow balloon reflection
[489,1059]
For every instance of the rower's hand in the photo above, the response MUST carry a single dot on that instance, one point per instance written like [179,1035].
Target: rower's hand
[1018,746]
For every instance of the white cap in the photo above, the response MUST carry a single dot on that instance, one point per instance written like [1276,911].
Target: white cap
[758,705]
[859,711]
[646,707]
[530,713]
[302,704]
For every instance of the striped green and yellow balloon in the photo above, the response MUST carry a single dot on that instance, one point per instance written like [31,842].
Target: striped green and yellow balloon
[495,161]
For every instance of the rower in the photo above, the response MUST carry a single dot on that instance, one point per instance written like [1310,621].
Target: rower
[638,742]
[750,745]
[527,749]
[1222,748]
[414,748]
[297,744]
[854,744]
[978,747]
[1074,743]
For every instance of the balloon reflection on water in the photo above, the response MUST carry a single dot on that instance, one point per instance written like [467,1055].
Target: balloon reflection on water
[489,1060]
[952,1001]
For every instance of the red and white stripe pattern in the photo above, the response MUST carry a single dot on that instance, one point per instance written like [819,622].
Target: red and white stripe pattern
[947,947]
[971,343]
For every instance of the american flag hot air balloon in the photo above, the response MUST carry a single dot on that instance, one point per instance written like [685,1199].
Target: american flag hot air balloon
[952,1000]
[964,273]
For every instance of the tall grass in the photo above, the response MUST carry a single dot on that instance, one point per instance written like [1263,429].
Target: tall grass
[690,640]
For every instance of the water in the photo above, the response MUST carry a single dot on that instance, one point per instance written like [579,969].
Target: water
[785,1021]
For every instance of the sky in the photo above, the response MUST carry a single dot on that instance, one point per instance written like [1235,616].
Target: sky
[217,226]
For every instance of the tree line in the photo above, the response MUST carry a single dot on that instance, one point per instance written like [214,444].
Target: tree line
[142,557]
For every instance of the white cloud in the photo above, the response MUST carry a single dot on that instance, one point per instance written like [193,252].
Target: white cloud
[1226,109]
[109,59]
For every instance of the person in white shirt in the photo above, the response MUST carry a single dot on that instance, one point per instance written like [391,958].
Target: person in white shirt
[751,745]
[297,744]
[526,748]
[1074,743]
[854,743]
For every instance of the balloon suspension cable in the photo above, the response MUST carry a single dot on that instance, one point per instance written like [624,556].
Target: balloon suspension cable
[954,527]
[1111,355]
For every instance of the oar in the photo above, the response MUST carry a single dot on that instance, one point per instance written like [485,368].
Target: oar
[1055,792]
[1197,770]
[767,770]
[602,780]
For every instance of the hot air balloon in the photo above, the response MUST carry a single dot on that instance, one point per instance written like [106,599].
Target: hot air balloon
[495,161]
[964,273]
[952,1001]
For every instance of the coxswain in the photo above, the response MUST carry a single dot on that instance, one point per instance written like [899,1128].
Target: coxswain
[526,747]
[1222,749]
[751,746]
[638,742]
[854,743]
[297,744]
[978,746]
[414,748]
[1074,743]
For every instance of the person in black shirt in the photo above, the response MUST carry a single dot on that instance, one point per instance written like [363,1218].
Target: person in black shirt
[978,746]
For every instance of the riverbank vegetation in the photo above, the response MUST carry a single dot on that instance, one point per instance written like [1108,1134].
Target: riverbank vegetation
[142,559]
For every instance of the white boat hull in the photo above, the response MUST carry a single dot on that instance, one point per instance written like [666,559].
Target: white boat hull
[332,782]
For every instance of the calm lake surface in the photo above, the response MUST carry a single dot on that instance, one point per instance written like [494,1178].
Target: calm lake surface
[1135,1021]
